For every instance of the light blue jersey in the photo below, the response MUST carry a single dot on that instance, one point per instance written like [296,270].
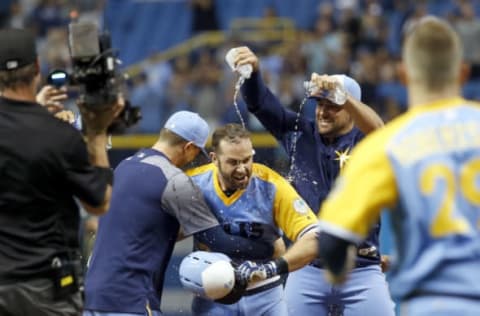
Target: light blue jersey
[265,209]
[425,167]
[437,219]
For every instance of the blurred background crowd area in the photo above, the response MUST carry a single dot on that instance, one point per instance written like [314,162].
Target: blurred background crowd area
[174,50]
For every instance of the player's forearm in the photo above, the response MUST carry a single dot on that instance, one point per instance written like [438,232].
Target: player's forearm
[103,207]
[96,145]
[302,252]
[253,91]
[364,117]
[267,107]
[279,248]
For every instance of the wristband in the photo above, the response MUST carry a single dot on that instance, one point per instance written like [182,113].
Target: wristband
[282,265]
[107,173]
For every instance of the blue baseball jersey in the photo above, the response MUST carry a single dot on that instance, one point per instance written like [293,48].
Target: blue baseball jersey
[316,163]
[264,210]
[425,167]
[151,198]
[268,207]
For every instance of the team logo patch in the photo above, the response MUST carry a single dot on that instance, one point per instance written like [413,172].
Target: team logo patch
[300,206]
[342,157]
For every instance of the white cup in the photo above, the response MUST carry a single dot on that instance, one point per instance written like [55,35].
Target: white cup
[245,71]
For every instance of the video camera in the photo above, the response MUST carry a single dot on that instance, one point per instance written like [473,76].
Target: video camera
[94,71]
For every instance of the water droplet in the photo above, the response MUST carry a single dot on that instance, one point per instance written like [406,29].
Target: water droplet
[239,83]
[290,176]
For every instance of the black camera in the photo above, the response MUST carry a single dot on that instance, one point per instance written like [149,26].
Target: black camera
[94,71]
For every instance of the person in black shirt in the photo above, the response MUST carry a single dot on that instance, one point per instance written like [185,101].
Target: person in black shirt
[44,164]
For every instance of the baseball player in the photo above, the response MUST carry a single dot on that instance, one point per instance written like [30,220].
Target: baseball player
[250,200]
[425,168]
[319,148]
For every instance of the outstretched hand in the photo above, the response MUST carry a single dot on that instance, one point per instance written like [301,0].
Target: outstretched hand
[51,98]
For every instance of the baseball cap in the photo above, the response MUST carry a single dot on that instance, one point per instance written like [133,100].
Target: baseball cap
[17,49]
[190,126]
[350,84]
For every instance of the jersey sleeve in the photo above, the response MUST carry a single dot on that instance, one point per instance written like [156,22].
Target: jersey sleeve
[365,186]
[183,199]
[88,183]
[267,108]
[292,214]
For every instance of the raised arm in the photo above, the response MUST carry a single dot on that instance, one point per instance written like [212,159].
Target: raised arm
[364,117]
[96,124]
[261,101]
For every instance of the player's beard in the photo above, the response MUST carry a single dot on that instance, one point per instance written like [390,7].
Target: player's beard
[235,180]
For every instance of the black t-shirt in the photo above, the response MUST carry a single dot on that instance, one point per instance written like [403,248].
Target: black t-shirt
[43,165]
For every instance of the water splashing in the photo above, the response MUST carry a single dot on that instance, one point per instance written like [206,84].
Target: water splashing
[239,83]
[290,176]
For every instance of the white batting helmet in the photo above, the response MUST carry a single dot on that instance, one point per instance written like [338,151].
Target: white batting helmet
[211,275]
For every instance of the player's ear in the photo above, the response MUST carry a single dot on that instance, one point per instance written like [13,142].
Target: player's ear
[464,73]
[213,156]
[187,146]
[401,73]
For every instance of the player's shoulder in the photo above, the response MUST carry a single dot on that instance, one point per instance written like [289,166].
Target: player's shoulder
[200,170]
[157,164]
[265,173]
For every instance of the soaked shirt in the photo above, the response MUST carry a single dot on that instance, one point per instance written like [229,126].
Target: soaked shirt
[266,208]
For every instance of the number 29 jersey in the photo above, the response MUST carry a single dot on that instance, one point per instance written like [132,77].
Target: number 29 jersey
[425,167]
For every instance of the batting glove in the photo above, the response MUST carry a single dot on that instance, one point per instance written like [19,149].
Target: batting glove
[251,271]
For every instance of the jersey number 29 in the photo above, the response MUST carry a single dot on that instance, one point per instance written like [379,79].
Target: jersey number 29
[445,223]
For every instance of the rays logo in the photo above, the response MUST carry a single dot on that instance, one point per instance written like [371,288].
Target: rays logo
[300,206]
[342,156]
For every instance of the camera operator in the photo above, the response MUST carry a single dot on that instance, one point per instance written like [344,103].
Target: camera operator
[44,163]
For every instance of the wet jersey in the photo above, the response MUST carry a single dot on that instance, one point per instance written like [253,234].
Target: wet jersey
[267,207]
[316,163]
